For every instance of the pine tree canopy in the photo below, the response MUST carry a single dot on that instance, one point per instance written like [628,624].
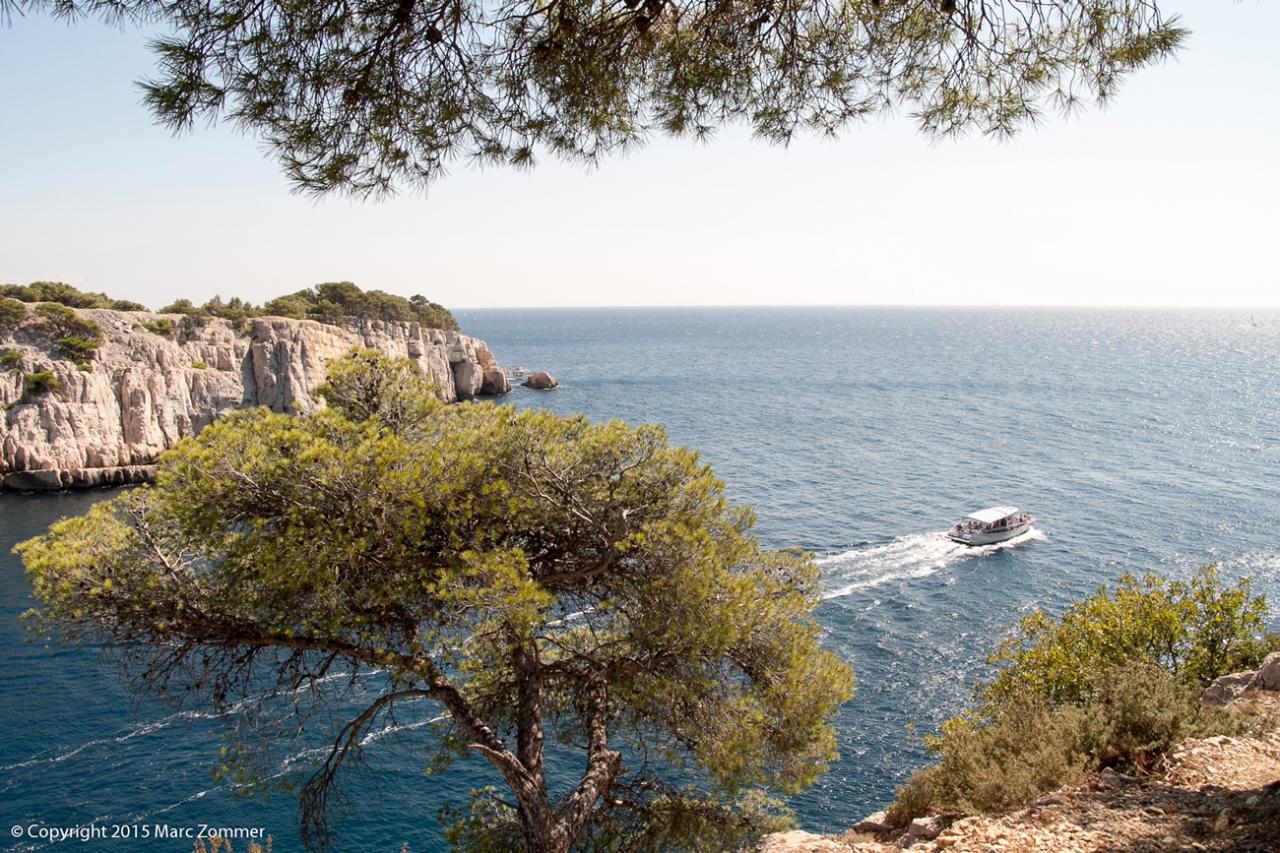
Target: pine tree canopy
[365,96]
[543,582]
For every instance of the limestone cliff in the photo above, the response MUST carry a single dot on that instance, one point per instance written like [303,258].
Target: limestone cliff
[151,385]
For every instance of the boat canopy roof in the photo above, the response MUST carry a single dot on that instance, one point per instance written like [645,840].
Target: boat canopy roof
[994,513]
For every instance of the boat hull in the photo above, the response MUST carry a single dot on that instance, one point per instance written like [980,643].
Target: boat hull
[989,537]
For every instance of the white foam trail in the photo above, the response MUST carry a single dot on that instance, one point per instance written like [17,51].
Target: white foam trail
[120,736]
[400,727]
[149,726]
[916,555]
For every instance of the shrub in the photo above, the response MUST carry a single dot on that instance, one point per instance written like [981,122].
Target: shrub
[10,359]
[913,799]
[126,305]
[55,291]
[12,313]
[67,323]
[162,327]
[77,349]
[334,301]
[182,306]
[1113,682]
[199,365]
[40,382]
[1196,630]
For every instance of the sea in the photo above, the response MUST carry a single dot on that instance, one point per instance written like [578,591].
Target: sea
[1142,440]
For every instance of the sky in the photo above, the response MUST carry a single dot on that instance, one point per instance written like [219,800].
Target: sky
[1168,196]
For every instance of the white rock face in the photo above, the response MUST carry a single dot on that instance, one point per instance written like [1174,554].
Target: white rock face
[796,841]
[146,391]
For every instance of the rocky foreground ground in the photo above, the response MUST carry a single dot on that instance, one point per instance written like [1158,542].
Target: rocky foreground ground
[1213,794]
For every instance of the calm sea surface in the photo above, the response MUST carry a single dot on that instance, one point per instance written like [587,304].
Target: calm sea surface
[1141,440]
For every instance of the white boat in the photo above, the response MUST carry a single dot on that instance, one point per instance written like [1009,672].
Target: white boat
[990,525]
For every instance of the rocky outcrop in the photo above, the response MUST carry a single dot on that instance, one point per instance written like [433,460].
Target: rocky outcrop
[1217,793]
[1228,688]
[150,386]
[540,380]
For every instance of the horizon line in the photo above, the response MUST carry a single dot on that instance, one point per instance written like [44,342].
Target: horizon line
[953,305]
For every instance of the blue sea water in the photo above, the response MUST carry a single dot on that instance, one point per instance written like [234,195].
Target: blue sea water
[1141,439]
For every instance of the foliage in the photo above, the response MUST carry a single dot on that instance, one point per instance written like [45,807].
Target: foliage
[40,382]
[78,349]
[163,327]
[332,302]
[65,294]
[12,313]
[199,365]
[1196,630]
[233,309]
[10,358]
[55,291]
[667,821]
[218,844]
[181,306]
[540,577]
[359,97]
[79,337]
[1113,682]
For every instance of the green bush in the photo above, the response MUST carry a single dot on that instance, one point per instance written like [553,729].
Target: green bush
[10,359]
[334,301]
[12,313]
[77,349]
[162,327]
[55,291]
[199,365]
[40,382]
[1196,630]
[182,306]
[67,322]
[1113,682]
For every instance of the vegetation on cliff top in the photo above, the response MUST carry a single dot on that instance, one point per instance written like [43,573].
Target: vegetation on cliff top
[328,302]
[1113,682]
[552,584]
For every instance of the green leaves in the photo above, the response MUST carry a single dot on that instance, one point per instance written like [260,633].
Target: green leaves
[1196,630]
[363,98]
[542,577]
[1114,681]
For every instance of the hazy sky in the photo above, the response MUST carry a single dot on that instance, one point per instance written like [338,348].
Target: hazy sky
[1169,197]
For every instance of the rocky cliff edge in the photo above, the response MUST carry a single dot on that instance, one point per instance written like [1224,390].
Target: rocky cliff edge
[1210,794]
[158,378]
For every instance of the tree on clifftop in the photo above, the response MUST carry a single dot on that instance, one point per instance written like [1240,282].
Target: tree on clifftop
[554,586]
[360,96]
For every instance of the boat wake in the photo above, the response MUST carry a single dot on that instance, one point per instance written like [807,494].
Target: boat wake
[916,555]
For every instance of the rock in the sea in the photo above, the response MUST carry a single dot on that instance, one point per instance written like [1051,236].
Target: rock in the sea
[159,378]
[540,380]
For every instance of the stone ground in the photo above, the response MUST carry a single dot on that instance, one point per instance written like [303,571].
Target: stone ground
[1217,794]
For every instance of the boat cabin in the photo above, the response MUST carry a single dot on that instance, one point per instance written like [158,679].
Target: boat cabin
[993,524]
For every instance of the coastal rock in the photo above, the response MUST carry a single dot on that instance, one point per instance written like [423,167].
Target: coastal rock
[150,387]
[1226,688]
[924,829]
[796,841]
[540,380]
[873,824]
[1268,677]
